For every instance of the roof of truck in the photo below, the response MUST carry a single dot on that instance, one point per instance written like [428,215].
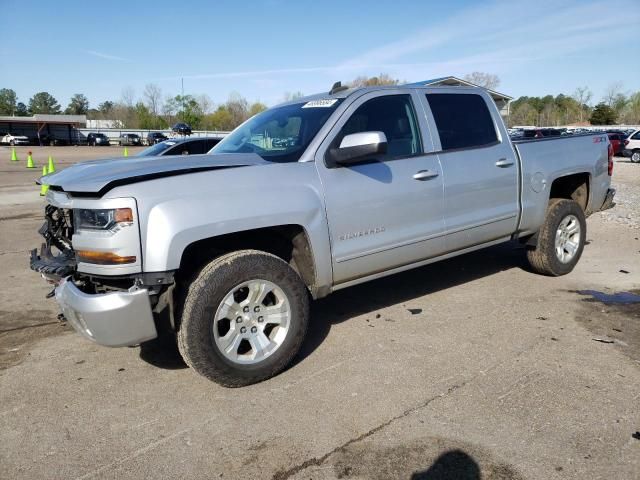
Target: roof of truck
[344,91]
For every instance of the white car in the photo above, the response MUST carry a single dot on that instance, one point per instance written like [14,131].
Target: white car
[10,139]
[632,149]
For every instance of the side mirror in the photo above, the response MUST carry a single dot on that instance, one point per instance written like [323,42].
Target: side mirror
[358,147]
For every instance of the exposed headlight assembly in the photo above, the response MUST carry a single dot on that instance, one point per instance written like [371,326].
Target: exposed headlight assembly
[101,219]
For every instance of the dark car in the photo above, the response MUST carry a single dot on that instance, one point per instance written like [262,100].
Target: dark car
[50,140]
[156,137]
[130,139]
[95,139]
[181,146]
[541,132]
[182,128]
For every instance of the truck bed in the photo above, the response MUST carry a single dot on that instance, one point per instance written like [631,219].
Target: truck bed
[543,160]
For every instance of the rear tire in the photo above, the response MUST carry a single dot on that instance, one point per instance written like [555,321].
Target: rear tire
[560,239]
[235,338]
[635,156]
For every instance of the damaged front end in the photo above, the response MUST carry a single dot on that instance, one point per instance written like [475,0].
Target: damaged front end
[111,304]
[57,259]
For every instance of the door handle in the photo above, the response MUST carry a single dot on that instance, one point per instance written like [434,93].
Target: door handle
[503,163]
[425,175]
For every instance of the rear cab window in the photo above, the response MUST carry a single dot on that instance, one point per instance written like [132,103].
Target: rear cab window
[463,120]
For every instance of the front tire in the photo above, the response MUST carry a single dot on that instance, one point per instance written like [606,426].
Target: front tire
[244,318]
[560,239]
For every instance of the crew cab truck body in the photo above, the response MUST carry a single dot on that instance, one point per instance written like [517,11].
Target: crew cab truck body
[226,249]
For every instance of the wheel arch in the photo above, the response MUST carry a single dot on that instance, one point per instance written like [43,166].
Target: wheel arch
[574,186]
[290,242]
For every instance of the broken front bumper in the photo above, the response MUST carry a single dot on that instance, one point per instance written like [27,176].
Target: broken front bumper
[115,319]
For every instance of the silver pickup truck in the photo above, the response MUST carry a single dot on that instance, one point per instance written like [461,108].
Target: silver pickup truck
[315,195]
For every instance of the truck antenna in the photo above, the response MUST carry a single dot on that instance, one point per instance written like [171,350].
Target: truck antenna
[337,87]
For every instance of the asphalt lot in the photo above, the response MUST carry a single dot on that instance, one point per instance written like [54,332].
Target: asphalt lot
[470,368]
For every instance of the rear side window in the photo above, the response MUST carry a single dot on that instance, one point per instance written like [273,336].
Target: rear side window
[636,136]
[463,120]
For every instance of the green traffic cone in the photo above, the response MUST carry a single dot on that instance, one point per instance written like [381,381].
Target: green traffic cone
[51,168]
[126,152]
[43,187]
[30,163]
[14,156]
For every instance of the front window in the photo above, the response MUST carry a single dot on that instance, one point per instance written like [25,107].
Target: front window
[280,134]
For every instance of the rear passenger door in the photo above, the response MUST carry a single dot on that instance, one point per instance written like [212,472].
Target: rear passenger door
[479,166]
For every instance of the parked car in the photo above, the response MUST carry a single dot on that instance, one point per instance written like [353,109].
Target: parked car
[11,139]
[94,139]
[130,139]
[156,137]
[50,140]
[229,247]
[182,128]
[632,148]
[186,146]
[617,141]
[541,133]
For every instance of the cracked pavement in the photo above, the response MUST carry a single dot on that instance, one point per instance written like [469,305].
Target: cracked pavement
[471,368]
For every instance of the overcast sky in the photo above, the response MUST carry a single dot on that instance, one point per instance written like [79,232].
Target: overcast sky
[262,49]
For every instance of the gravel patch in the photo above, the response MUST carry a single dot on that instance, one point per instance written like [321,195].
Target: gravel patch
[627,209]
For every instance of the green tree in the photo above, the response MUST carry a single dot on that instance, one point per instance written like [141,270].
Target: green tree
[631,112]
[256,108]
[603,114]
[221,119]
[43,102]
[106,108]
[188,110]
[21,110]
[8,101]
[79,105]
[146,119]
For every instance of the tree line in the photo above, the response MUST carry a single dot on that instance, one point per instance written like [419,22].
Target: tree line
[615,107]
[153,110]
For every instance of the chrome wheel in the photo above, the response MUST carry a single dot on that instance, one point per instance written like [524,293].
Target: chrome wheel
[635,157]
[252,321]
[567,238]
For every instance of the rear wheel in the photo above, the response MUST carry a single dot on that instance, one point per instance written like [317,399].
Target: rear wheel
[635,156]
[244,318]
[560,239]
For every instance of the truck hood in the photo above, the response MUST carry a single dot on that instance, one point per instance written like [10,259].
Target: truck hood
[100,176]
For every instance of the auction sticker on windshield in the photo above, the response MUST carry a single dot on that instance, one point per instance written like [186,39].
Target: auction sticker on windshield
[325,102]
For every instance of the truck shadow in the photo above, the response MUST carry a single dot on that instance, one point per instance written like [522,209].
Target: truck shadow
[406,286]
[369,297]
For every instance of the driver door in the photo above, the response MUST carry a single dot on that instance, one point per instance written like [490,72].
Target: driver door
[386,212]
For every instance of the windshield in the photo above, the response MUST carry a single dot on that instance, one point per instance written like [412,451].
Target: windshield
[156,149]
[280,134]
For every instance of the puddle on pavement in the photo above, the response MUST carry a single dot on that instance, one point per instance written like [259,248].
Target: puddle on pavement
[614,317]
[618,298]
